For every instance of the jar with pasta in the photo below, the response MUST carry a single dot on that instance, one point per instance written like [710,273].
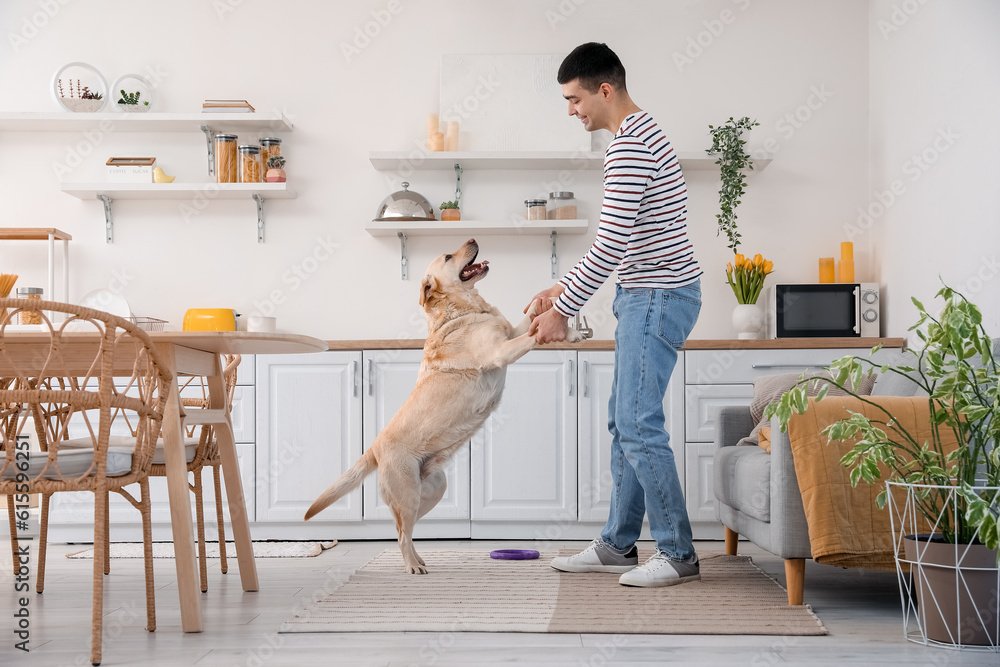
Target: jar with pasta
[250,169]
[561,206]
[534,209]
[31,294]
[226,165]
[269,147]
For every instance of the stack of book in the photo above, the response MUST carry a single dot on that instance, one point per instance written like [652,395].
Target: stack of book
[226,106]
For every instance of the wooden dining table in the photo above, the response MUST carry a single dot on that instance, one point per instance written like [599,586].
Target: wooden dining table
[185,353]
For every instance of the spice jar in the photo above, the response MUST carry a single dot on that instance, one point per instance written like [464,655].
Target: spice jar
[534,209]
[561,206]
[226,166]
[269,147]
[250,169]
[32,294]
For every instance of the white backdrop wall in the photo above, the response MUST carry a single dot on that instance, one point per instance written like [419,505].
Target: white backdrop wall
[800,68]
[935,89]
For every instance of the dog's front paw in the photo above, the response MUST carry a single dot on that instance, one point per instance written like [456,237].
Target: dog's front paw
[574,336]
[415,569]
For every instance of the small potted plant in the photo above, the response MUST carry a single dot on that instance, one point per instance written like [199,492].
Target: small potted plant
[449,210]
[84,101]
[130,102]
[275,169]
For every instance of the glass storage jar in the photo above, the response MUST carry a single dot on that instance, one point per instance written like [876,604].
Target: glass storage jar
[31,294]
[561,206]
[225,159]
[250,169]
[269,147]
[534,209]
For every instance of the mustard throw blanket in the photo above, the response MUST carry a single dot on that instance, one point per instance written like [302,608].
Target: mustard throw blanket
[846,527]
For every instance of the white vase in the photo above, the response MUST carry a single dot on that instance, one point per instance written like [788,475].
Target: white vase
[748,320]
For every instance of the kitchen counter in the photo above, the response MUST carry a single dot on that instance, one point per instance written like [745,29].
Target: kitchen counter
[705,344]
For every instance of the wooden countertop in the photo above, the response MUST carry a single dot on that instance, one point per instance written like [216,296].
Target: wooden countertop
[708,344]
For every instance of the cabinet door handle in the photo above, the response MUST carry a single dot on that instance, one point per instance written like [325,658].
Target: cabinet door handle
[768,366]
[371,380]
[354,378]
[569,375]
[586,379]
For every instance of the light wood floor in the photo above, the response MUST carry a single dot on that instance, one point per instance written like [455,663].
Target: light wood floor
[860,609]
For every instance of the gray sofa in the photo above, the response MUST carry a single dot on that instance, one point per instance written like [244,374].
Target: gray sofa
[757,493]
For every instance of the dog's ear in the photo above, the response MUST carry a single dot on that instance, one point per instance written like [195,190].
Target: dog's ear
[428,288]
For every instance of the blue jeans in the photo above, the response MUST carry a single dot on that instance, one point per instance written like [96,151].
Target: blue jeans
[652,326]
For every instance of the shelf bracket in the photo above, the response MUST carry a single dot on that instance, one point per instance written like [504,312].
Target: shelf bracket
[403,262]
[555,256]
[211,148]
[260,216]
[458,184]
[108,224]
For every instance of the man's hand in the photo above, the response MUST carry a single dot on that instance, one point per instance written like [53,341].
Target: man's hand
[549,327]
[544,297]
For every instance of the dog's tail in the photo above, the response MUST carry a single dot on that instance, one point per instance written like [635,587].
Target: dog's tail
[347,483]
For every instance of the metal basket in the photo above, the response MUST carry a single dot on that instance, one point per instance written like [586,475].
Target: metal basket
[148,323]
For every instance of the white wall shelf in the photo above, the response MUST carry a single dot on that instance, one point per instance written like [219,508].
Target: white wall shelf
[574,160]
[67,121]
[108,192]
[465,228]
[473,227]
[208,123]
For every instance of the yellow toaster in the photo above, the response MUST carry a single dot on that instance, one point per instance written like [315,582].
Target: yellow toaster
[210,319]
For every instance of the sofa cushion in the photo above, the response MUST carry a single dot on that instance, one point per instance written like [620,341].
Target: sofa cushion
[743,480]
[894,384]
[769,388]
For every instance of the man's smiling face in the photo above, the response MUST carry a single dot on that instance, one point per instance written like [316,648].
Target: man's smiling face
[590,108]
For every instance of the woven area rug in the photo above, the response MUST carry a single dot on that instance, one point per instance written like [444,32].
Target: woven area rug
[469,591]
[260,550]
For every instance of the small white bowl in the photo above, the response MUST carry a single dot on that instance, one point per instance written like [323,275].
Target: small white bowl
[261,324]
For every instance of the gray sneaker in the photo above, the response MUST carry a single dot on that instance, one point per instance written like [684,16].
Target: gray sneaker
[659,570]
[598,557]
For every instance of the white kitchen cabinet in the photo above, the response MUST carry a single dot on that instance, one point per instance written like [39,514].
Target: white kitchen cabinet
[524,459]
[308,433]
[389,377]
[596,377]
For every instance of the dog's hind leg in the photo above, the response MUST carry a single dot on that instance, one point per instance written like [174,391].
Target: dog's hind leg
[401,490]
[432,489]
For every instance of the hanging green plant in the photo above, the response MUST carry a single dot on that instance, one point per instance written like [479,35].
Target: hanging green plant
[727,143]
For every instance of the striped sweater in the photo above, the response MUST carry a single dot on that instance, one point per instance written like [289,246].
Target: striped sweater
[643,229]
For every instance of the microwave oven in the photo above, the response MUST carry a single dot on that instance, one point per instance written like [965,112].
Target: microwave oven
[825,310]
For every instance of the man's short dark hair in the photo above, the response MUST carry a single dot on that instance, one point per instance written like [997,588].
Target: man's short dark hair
[593,64]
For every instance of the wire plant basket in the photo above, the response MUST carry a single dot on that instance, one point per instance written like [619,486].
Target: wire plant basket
[949,592]
[148,323]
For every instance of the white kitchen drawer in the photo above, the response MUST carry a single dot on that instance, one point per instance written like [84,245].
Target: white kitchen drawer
[243,414]
[702,403]
[700,493]
[742,366]
[245,371]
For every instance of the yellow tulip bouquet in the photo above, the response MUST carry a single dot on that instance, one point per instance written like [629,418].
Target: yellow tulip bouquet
[746,276]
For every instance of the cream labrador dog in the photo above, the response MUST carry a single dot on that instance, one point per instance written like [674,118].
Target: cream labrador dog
[468,348]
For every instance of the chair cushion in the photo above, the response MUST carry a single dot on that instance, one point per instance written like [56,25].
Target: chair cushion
[128,442]
[769,388]
[743,480]
[74,462]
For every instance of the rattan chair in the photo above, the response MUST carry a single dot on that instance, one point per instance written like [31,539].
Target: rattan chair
[201,448]
[50,383]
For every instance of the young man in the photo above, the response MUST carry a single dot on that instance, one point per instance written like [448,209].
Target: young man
[642,234]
